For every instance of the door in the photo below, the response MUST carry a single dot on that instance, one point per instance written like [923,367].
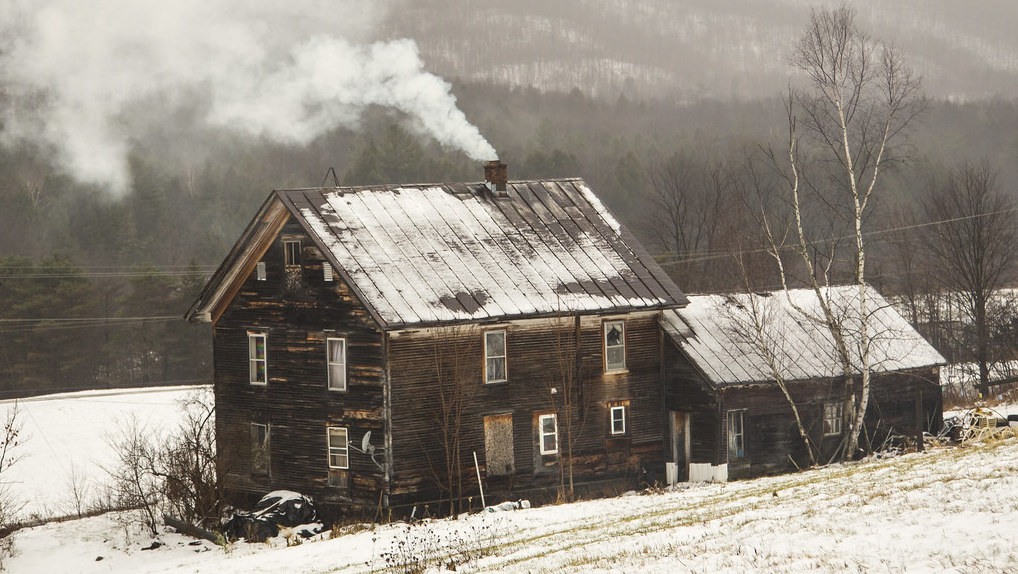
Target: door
[679,427]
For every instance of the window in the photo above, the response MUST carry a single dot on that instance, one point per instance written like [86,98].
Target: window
[614,346]
[736,440]
[494,357]
[260,270]
[618,420]
[498,445]
[291,250]
[259,449]
[339,448]
[257,360]
[833,417]
[548,427]
[336,351]
[327,271]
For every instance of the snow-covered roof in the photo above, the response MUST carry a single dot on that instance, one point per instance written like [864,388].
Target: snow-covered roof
[439,253]
[721,337]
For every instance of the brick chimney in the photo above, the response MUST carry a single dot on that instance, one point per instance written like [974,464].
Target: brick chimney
[497,178]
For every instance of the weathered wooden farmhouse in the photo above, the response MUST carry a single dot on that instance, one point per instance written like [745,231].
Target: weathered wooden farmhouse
[518,321]
[726,408]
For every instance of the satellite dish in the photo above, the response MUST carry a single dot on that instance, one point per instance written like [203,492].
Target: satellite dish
[366,443]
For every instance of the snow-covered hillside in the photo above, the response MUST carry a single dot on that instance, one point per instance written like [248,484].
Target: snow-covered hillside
[63,442]
[949,509]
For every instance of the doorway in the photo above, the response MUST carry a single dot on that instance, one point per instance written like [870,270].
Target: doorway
[678,423]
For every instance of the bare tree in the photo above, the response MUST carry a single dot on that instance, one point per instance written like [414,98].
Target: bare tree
[858,103]
[10,438]
[975,247]
[688,201]
[455,355]
[566,395]
[752,318]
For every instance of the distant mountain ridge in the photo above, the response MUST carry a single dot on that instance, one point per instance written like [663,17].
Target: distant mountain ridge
[698,48]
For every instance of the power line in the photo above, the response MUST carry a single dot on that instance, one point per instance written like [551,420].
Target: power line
[711,254]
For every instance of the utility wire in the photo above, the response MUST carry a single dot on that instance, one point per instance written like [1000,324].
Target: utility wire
[710,254]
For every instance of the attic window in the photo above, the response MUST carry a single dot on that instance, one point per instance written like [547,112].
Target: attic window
[291,250]
[260,270]
[327,271]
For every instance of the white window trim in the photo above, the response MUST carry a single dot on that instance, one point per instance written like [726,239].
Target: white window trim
[329,364]
[605,327]
[542,434]
[504,356]
[611,419]
[836,428]
[728,433]
[251,361]
[330,448]
[286,253]
[260,271]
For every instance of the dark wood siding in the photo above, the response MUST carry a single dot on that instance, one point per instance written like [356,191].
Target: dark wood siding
[687,391]
[297,315]
[541,356]
[773,443]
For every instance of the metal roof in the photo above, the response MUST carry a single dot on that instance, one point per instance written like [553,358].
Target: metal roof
[441,253]
[718,333]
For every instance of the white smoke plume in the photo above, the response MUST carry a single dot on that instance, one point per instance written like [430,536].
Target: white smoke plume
[83,78]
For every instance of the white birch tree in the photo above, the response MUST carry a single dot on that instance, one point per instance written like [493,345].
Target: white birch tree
[855,109]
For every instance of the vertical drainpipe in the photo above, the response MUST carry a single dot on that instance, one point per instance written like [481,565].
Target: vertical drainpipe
[387,419]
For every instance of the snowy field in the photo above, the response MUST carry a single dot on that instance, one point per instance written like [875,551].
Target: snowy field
[949,509]
[63,442]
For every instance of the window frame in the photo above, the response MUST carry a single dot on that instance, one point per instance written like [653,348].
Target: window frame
[605,328]
[340,451]
[264,446]
[541,434]
[611,420]
[291,260]
[252,360]
[741,417]
[504,357]
[833,426]
[329,364]
[328,275]
[260,272]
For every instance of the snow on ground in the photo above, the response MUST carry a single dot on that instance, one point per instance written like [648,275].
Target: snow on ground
[948,509]
[63,439]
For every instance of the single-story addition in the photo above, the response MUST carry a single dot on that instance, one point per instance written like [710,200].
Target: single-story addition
[726,408]
[370,341]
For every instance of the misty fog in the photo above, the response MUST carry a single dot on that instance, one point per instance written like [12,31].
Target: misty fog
[138,138]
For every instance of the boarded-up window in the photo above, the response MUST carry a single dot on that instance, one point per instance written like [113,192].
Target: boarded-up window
[259,449]
[498,444]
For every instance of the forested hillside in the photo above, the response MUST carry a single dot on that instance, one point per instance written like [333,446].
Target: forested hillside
[697,48]
[92,286]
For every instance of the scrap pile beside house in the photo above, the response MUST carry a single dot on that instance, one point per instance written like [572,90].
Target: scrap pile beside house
[370,340]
